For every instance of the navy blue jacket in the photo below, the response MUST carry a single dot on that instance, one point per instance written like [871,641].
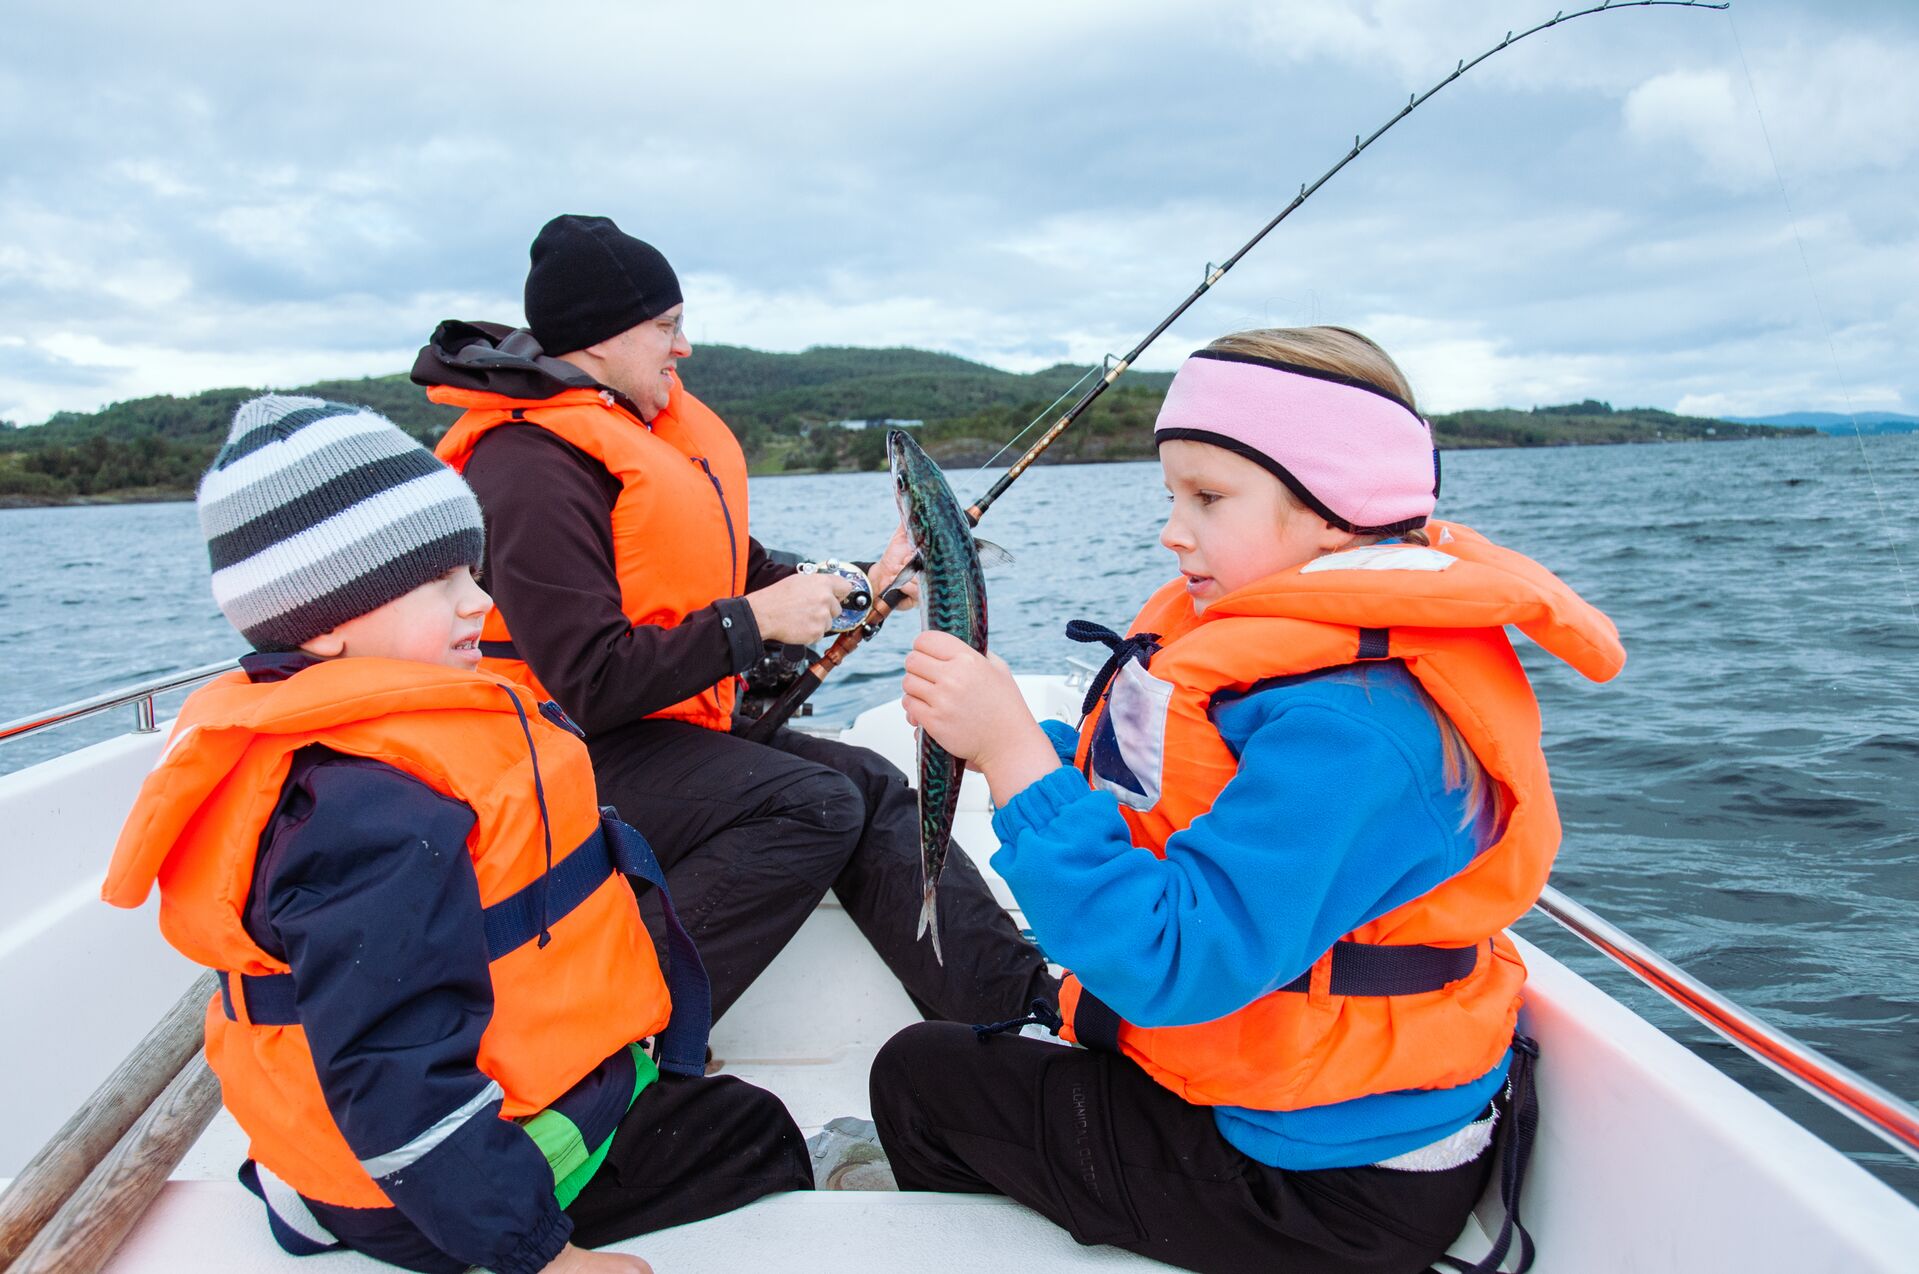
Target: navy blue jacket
[364,886]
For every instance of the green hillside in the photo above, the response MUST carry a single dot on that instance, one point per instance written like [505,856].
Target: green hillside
[783,406]
[1588,423]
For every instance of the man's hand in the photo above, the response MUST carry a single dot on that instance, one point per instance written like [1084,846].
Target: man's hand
[800,608]
[899,551]
[579,1260]
[970,706]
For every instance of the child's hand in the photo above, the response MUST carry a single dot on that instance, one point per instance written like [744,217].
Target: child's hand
[969,705]
[958,696]
[899,551]
[579,1260]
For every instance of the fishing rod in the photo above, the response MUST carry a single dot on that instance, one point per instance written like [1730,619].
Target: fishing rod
[808,681]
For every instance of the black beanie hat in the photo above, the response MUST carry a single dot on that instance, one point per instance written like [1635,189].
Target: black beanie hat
[590,280]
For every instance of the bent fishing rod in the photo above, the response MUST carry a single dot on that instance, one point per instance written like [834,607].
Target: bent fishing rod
[789,700]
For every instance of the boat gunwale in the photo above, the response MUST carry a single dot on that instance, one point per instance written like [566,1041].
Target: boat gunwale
[140,695]
[1872,1107]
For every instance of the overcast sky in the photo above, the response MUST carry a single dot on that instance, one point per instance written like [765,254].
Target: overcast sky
[200,195]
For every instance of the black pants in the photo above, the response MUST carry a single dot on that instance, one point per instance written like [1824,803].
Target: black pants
[690,1148]
[1091,1142]
[752,836]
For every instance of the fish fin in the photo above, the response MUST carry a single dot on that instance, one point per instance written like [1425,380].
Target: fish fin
[991,554]
[930,920]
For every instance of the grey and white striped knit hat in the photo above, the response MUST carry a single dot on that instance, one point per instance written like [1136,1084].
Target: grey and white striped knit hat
[316,513]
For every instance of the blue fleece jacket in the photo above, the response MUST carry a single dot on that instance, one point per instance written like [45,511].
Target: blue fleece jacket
[1338,814]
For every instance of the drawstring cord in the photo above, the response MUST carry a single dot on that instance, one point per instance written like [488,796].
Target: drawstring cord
[1514,1146]
[1139,645]
[546,828]
[1042,1013]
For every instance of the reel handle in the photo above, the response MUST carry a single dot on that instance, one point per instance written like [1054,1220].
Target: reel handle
[856,605]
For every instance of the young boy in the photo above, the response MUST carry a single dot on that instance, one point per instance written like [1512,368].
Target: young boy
[433,971]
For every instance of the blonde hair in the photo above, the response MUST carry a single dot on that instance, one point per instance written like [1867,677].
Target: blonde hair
[1347,353]
[1327,349]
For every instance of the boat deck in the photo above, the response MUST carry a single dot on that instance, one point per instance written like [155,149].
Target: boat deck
[1648,1159]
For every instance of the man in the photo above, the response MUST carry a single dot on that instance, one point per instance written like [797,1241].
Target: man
[629,590]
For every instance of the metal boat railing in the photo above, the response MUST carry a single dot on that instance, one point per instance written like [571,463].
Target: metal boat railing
[1846,1091]
[140,696]
[1857,1098]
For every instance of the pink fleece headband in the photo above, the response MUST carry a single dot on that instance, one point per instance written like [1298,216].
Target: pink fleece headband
[1357,455]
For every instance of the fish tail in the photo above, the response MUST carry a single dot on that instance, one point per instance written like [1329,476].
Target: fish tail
[930,919]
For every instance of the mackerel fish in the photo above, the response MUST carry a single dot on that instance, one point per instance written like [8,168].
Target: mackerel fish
[952,600]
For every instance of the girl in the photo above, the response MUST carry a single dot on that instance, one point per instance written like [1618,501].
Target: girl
[1298,1005]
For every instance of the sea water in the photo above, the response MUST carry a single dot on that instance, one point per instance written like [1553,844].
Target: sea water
[1744,797]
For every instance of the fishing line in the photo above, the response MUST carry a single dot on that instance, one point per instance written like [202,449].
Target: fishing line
[809,681]
[1818,307]
[1306,191]
[1044,412]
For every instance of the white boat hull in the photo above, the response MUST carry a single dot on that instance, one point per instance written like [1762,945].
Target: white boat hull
[1648,1159]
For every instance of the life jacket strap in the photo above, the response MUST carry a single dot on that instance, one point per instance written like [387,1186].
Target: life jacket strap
[1042,1013]
[265,998]
[514,921]
[1514,1142]
[1359,968]
[499,650]
[1095,1024]
[1365,968]
[294,1227]
[681,1045]
[1139,646]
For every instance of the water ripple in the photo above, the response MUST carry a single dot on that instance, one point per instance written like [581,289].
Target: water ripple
[1744,796]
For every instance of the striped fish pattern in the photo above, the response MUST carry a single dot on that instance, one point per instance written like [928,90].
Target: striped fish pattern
[952,600]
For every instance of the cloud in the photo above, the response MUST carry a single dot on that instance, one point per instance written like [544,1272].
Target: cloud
[1848,105]
[1420,42]
[1454,365]
[193,198]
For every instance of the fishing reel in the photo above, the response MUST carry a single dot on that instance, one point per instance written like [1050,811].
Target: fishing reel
[779,666]
[857,604]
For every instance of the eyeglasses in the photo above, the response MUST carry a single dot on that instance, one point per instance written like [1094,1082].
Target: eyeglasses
[679,325]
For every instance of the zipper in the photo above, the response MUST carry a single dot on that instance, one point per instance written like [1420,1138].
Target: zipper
[554,713]
[732,542]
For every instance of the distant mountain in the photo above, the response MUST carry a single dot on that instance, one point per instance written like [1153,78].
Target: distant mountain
[785,409]
[1832,422]
[773,401]
[1589,422]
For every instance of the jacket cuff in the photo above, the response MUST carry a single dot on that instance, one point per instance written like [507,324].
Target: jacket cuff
[1063,737]
[538,1249]
[742,632]
[1039,803]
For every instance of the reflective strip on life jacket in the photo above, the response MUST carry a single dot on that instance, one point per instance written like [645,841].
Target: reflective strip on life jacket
[418,1147]
[586,984]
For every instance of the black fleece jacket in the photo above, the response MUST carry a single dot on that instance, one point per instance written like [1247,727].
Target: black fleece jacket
[549,551]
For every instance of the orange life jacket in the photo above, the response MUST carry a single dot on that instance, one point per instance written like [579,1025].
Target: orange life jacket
[679,524]
[559,1010]
[1152,742]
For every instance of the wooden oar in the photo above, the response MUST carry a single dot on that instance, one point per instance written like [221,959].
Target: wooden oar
[52,1175]
[89,1228]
